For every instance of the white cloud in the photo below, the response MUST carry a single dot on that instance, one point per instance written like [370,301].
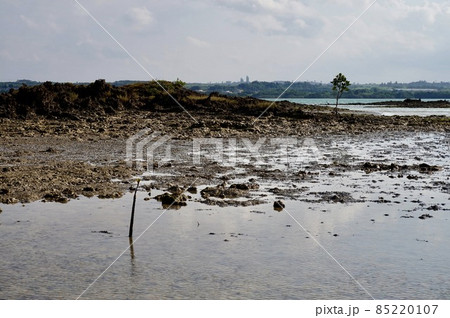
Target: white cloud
[29,22]
[139,18]
[197,42]
[264,23]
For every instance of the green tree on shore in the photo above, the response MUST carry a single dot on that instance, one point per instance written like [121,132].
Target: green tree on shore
[340,85]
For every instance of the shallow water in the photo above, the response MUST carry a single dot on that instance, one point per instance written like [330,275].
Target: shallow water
[363,105]
[59,251]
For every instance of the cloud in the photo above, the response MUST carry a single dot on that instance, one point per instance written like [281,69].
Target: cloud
[138,18]
[275,17]
[197,42]
[264,23]
[266,39]
[29,22]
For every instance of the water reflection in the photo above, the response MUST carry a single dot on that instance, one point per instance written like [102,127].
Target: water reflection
[130,240]
[259,255]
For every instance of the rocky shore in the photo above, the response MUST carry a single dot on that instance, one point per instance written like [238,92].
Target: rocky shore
[61,141]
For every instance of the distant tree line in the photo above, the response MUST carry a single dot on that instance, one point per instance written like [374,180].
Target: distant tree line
[420,89]
[258,89]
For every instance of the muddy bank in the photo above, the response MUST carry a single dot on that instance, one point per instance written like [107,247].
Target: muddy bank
[61,181]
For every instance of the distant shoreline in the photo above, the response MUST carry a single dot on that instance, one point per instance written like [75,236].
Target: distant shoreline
[259,89]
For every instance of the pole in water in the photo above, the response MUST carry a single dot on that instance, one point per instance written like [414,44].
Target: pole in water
[130,234]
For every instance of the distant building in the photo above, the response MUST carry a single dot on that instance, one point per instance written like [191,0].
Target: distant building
[242,80]
[247,79]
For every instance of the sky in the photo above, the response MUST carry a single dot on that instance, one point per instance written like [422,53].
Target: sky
[225,40]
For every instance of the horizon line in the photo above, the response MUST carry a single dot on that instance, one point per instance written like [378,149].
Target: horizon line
[223,81]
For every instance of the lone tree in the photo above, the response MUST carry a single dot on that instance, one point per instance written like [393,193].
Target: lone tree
[340,85]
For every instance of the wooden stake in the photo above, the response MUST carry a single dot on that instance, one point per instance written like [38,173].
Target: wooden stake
[130,234]
[130,240]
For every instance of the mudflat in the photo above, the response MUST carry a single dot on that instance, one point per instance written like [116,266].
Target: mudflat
[57,152]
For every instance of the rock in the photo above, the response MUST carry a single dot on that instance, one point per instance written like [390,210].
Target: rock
[175,189]
[172,199]
[50,150]
[425,216]
[55,197]
[434,207]
[4,191]
[102,232]
[10,201]
[227,203]
[221,191]
[279,205]
[110,195]
[242,186]
[426,168]
[62,200]
[192,190]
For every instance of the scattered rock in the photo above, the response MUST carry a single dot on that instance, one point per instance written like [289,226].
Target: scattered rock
[55,197]
[381,200]
[110,195]
[279,205]
[226,203]
[425,216]
[370,167]
[337,197]
[233,191]
[50,150]
[257,212]
[102,232]
[10,201]
[192,190]
[426,168]
[175,190]
[292,194]
[101,112]
[172,199]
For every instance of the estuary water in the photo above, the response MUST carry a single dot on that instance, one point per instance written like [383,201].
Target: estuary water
[306,251]
[356,104]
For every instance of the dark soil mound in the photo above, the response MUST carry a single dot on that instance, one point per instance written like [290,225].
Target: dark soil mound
[67,100]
